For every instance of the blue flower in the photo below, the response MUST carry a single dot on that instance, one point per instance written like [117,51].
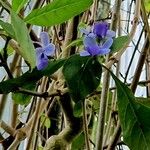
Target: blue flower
[87,32]
[42,53]
[92,48]
[101,29]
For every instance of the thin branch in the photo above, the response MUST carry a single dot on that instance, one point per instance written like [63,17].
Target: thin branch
[116,57]
[33,93]
[140,65]
[134,82]
[101,118]
[68,38]
[85,125]
[106,79]
[19,136]
[7,128]
[7,70]
[38,94]
[114,140]
[34,125]
[134,52]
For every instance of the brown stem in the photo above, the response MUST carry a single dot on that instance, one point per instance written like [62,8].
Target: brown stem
[85,126]
[7,128]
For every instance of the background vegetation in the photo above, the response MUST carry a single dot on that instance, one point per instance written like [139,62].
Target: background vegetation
[74,102]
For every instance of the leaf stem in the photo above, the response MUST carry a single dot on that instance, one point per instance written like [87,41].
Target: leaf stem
[42,94]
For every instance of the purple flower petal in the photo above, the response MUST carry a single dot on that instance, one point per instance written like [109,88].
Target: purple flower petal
[103,51]
[89,41]
[108,43]
[42,61]
[44,38]
[39,51]
[100,29]
[92,35]
[46,49]
[110,33]
[93,50]
[91,45]
[49,50]
[84,53]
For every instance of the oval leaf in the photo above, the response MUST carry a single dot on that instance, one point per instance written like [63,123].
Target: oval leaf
[82,75]
[147,5]
[119,43]
[18,4]
[8,28]
[46,121]
[23,38]
[57,12]
[77,110]
[23,99]
[12,85]
[78,142]
[134,118]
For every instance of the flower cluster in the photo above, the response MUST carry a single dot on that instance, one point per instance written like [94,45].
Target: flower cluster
[46,49]
[97,41]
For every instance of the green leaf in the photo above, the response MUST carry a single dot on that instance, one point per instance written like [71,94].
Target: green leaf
[29,77]
[46,121]
[10,50]
[57,12]
[82,75]
[18,4]
[40,148]
[119,43]
[96,103]
[8,28]
[78,142]
[23,38]
[134,118]
[23,99]
[144,101]
[77,110]
[147,5]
